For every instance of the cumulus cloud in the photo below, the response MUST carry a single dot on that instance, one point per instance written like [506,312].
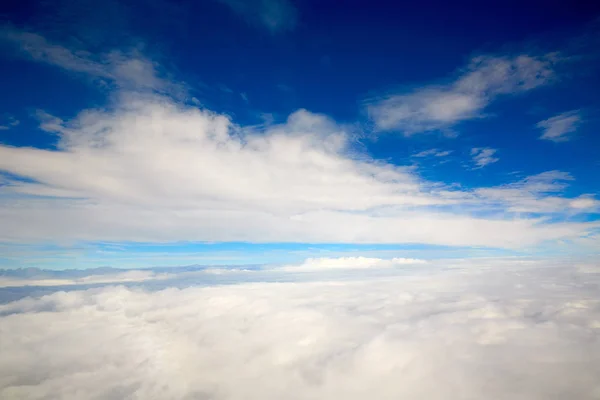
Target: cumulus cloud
[340,263]
[526,331]
[274,15]
[438,107]
[560,127]
[152,169]
[149,167]
[483,156]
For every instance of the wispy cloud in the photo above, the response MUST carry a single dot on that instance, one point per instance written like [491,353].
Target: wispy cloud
[343,263]
[9,122]
[483,156]
[129,69]
[433,153]
[560,127]
[538,194]
[274,15]
[439,107]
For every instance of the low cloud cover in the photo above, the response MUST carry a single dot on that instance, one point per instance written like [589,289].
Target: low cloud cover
[503,329]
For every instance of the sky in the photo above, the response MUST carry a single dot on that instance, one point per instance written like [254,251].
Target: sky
[299,199]
[229,132]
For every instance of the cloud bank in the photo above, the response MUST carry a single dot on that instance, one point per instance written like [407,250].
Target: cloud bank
[150,167]
[522,331]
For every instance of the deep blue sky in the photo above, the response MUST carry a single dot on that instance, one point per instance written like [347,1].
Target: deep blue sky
[333,58]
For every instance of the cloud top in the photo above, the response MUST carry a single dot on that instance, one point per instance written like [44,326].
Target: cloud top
[473,332]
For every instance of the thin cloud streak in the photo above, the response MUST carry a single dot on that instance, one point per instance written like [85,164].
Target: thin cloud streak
[439,107]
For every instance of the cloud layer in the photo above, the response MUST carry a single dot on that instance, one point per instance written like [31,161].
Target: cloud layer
[150,167]
[522,331]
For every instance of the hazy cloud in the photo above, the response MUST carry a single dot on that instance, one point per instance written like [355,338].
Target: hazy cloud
[8,123]
[560,127]
[341,263]
[126,69]
[274,15]
[433,153]
[439,107]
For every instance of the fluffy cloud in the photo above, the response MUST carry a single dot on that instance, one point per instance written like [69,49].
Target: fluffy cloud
[149,167]
[560,127]
[152,169]
[274,15]
[483,156]
[523,331]
[441,106]
[325,263]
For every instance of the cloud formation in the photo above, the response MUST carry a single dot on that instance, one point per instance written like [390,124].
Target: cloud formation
[128,70]
[525,331]
[439,107]
[341,263]
[150,169]
[535,194]
[483,156]
[273,15]
[433,153]
[9,123]
[560,127]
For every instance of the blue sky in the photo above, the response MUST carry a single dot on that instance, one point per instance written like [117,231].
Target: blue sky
[229,131]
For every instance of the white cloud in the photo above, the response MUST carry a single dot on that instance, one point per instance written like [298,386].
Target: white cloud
[483,156]
[438,107]
[584,202]
[433,153]
[560,127]
[11,122]
[519,331]
[117,277]
[274,15]
[537,194]
[125,69]
[341,263]
[151,169]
